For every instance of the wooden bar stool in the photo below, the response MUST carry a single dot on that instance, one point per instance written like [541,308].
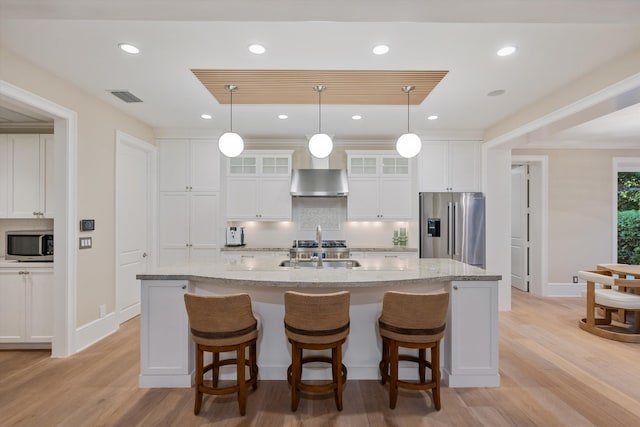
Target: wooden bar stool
[412,321]
[316,322]
[220,324]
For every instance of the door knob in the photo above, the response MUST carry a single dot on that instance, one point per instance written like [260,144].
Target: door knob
[144,255]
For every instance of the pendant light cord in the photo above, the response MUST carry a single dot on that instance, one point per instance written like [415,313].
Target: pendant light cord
[408,95]
[231,111]
[319,111]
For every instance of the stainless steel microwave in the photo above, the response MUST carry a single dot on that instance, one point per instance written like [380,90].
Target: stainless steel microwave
[30,245]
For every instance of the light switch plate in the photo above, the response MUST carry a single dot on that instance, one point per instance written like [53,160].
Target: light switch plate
[85,242]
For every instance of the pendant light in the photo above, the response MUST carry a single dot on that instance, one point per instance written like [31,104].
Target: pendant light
[409,144]
[230,143]
[320,144]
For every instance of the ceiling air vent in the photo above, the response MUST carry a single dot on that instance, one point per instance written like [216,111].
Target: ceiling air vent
[125,95]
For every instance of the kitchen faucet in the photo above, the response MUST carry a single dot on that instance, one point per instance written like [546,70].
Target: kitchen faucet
[320,250]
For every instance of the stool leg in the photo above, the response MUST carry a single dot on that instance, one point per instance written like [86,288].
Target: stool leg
[384,366]
[242,384]
[253,363]
[336,365]
[393,373]
[215,372]
[435,374]
[199,380]
[422,357]
[296,374]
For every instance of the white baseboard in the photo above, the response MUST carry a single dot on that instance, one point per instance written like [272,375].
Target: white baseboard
[565,289]
[92,332]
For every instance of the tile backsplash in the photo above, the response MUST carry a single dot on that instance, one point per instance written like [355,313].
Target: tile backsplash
[331,215]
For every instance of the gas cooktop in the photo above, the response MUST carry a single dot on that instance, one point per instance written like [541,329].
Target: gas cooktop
[314,244]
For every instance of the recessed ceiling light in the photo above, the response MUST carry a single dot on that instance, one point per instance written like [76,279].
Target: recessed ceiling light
[356,117]
[497,92]
[129,48]
[432,118]
[380,49]
[258,49]
[506,51]
[206,116]
[283,116]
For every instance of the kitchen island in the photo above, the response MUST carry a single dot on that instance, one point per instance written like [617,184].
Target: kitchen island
[470,346]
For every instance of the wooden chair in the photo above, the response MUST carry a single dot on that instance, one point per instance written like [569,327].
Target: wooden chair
[613,300]
[221,324]
[316,322]
[414,321]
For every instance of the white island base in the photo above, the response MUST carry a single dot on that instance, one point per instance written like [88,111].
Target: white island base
[469,351]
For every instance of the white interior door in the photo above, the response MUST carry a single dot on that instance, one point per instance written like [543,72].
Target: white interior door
[133,225]
[519,223]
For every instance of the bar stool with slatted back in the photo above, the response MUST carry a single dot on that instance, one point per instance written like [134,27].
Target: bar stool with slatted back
[415,321]
[223,324]
[316,322]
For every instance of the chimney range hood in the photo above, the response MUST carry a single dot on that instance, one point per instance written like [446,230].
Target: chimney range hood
[319,183]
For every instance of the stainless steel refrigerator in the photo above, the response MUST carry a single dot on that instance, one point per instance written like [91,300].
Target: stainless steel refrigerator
[452,226]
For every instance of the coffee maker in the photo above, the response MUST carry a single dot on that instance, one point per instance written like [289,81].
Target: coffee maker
[235,236]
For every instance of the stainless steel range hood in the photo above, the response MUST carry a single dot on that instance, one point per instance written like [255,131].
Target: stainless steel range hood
[319,183]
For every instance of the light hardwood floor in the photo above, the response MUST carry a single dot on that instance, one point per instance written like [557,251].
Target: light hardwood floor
[552,373]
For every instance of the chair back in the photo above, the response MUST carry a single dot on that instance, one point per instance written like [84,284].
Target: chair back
[221,320]
[411,317]
[316,318]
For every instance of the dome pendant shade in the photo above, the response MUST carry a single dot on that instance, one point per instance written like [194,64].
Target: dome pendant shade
[320,145]
[408,145]
[231,144]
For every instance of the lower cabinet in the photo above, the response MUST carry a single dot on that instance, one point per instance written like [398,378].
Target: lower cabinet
[26,305]
[166,348]
[471,337]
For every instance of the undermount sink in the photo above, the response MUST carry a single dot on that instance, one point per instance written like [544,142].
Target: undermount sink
[341,263]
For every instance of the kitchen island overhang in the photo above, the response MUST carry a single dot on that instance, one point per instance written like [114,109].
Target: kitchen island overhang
[470,346]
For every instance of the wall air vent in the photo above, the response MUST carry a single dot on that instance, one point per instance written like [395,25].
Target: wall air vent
[125,95]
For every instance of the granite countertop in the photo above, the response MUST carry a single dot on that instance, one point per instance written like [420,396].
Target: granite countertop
[246,248]
[264,271]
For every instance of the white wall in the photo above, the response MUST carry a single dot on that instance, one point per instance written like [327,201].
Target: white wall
[581,220]
[97,126]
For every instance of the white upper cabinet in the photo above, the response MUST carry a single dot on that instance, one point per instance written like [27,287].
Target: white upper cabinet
[380,186]
[450,166]
[189,165]
[26,178]
[259,186]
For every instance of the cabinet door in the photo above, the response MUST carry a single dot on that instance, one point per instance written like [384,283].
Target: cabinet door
[395,198]
[47,145]
[363,200]
[434,166]
[26,183]
[4,175]
[242,198]
[275,199]
[13,306]
[40,310]
[204,165]
[173,161]
[174,227]
[203,226]
[464,166]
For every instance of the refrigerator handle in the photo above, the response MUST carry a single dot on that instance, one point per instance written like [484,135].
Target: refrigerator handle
[449,227]
[455,223]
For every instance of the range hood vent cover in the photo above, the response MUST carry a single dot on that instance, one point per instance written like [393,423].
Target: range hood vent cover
[319,183]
